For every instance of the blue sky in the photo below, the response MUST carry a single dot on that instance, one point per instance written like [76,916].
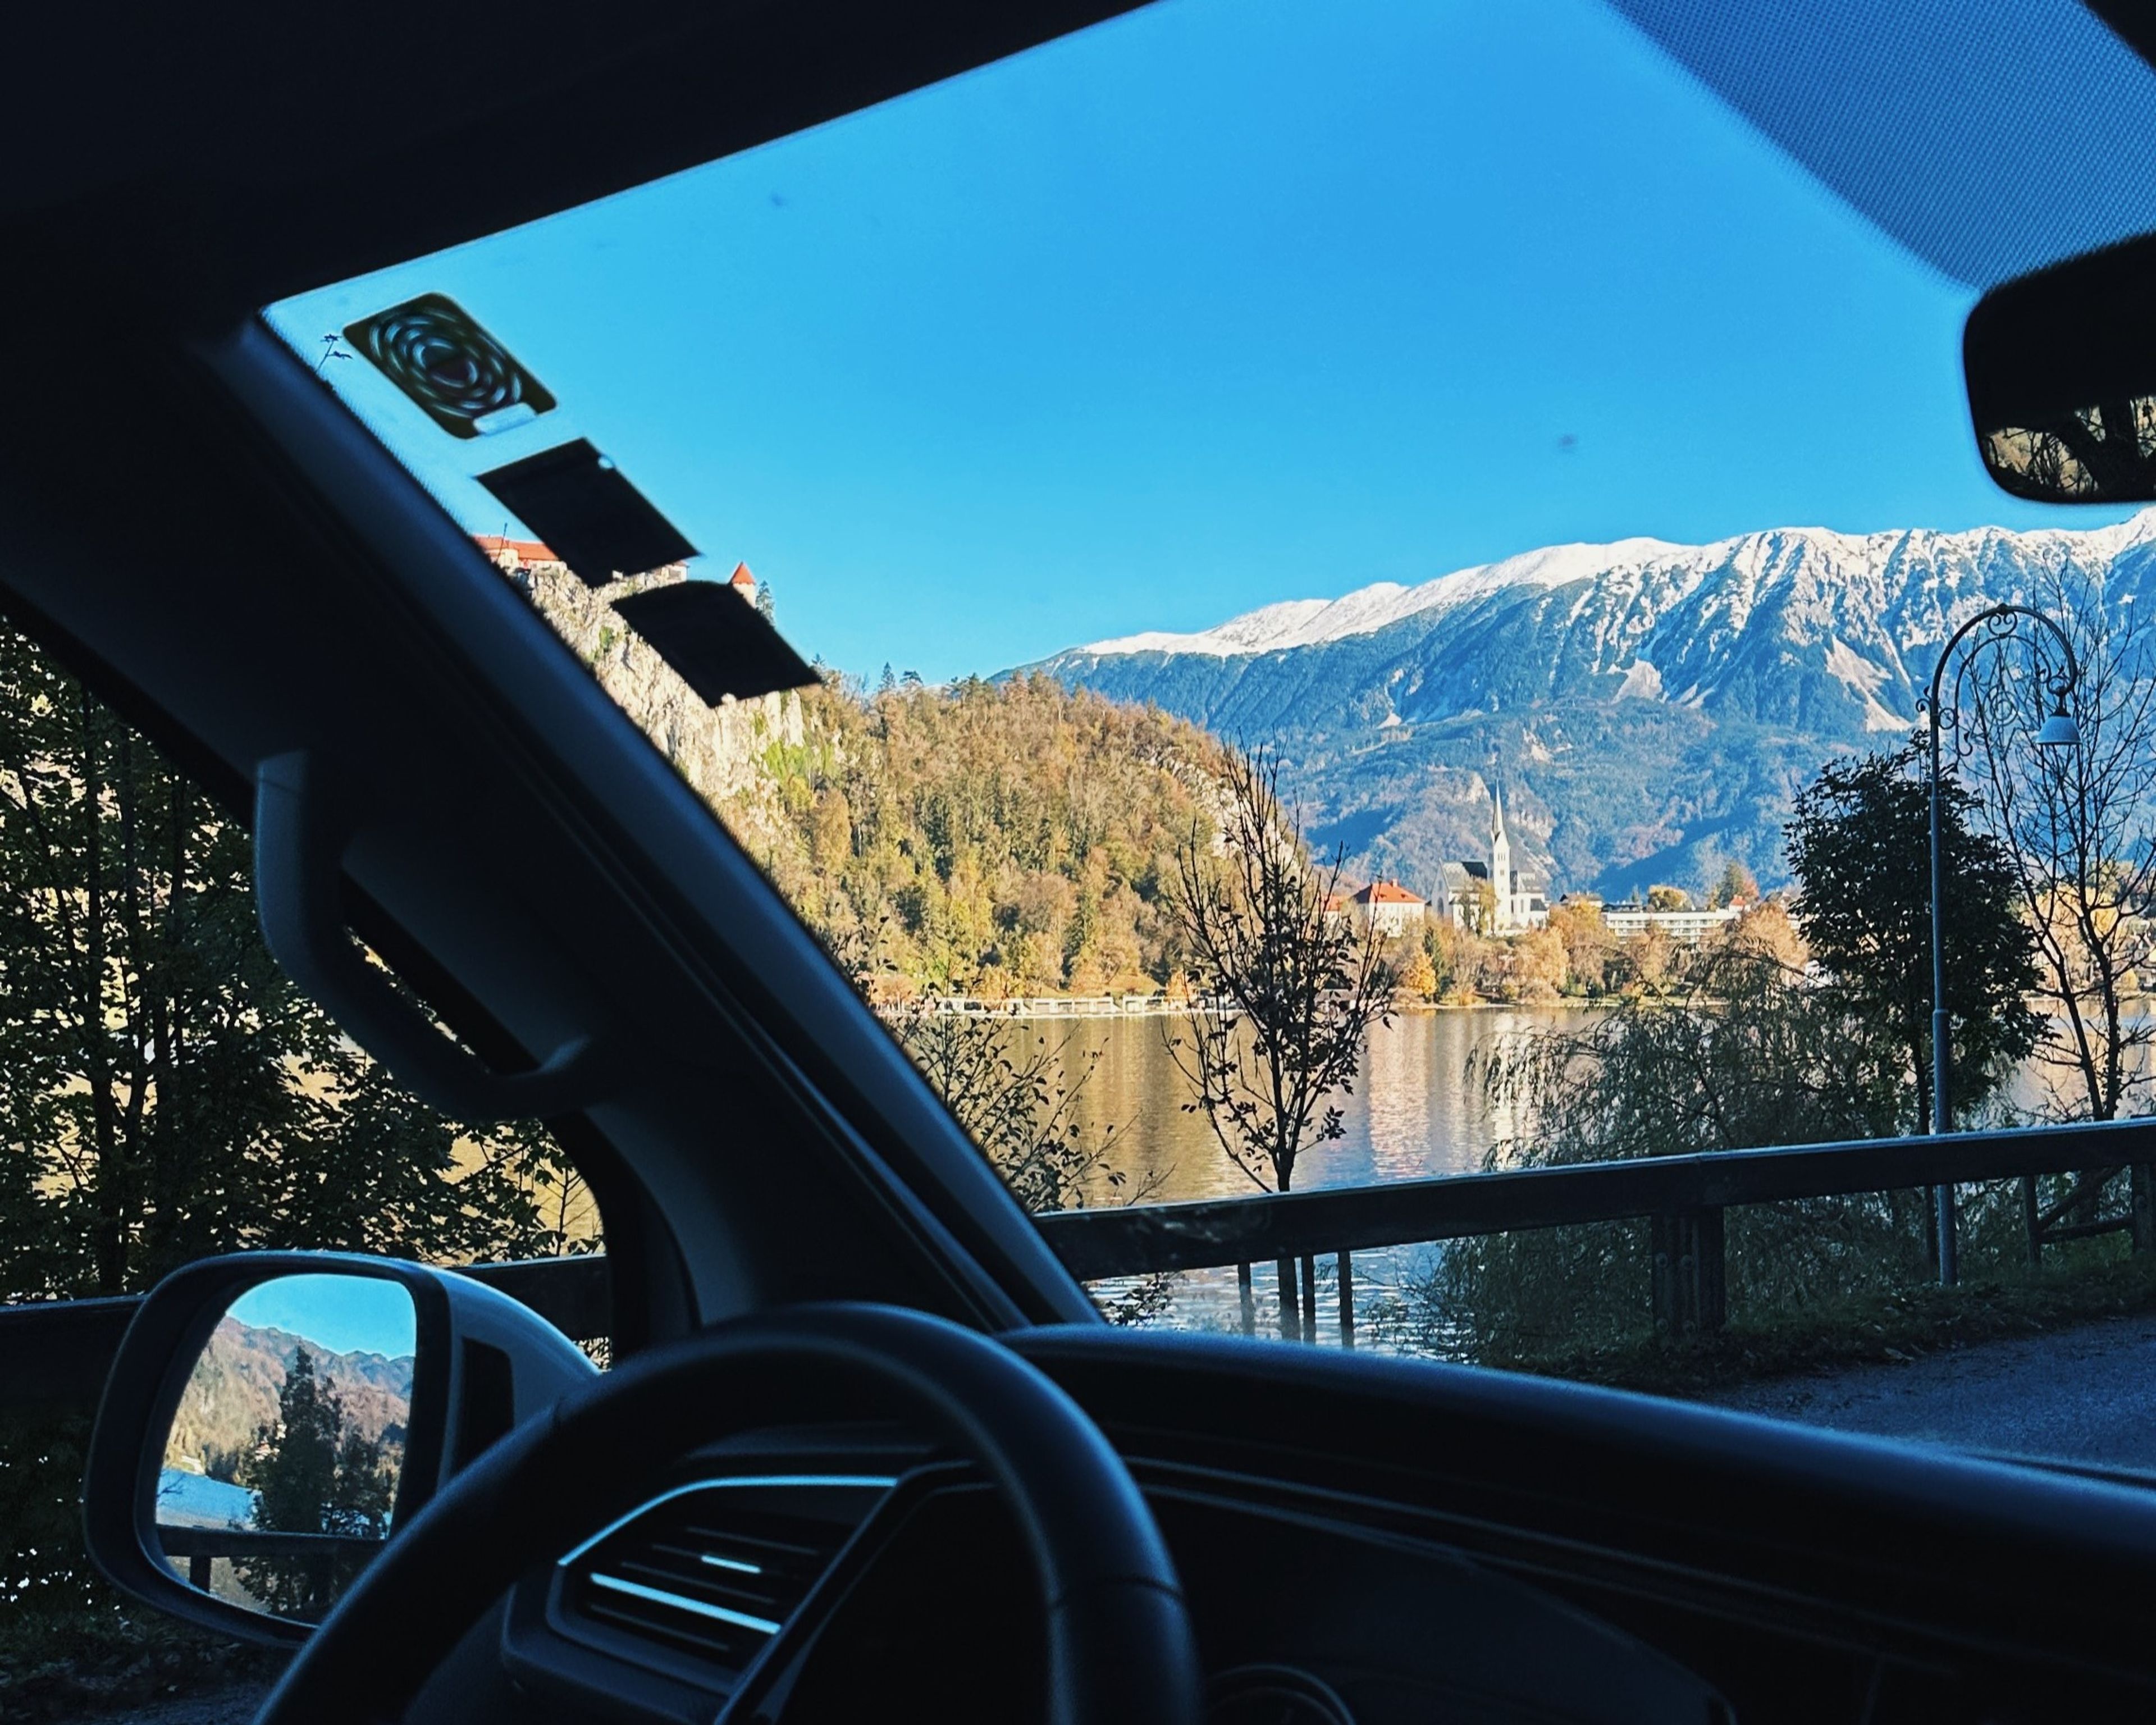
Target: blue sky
[345,1314]
[1225,302]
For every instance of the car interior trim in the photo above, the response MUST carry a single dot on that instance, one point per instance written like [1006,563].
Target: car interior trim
[861,1481]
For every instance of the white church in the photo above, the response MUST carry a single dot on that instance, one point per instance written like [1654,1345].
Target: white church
[1520,900]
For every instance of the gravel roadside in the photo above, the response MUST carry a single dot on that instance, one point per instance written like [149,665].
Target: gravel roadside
[2084,1394]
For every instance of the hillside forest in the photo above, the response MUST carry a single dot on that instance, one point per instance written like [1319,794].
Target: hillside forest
[990,839]
[1015,837]
[1018,839]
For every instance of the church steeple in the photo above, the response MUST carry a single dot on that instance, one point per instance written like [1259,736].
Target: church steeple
[1501,863]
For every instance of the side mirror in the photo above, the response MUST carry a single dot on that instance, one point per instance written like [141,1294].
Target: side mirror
[2062,372]
[272,1418]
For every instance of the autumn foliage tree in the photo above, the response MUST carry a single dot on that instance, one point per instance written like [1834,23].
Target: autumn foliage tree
[1000,840]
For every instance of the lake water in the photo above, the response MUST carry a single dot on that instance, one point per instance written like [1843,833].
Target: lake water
[194,1500]
[1416,1111]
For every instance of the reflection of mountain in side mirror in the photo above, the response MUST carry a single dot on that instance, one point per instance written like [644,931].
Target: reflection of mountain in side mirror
[281,1470]
[2062,369]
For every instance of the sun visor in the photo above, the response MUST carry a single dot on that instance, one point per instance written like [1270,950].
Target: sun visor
[595,521]
[714,639]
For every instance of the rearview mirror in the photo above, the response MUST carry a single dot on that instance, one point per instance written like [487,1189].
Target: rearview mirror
[272,1419]
[2062,372]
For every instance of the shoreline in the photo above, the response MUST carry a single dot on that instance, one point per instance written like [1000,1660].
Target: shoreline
[1080,1006]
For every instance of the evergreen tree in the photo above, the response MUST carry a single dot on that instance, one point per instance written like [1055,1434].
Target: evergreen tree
[312,1473]
[1735,885]
[1859,844]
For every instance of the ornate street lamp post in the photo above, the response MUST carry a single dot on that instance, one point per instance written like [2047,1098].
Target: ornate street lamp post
[2001,623]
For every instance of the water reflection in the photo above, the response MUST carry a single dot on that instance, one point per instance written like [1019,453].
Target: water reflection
[1416,1111]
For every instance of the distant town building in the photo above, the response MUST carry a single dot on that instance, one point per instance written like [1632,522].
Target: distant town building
[1630,922]
[743,583]
[1517,900]
[1389,908]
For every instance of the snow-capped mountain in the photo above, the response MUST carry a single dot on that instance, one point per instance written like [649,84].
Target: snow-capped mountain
[1309,623]
[1650,706]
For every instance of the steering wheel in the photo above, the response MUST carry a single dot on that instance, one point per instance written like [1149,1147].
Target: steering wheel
[1120,1646]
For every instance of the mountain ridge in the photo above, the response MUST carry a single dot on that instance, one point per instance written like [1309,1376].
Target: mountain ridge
[1650,707]
[232,1392]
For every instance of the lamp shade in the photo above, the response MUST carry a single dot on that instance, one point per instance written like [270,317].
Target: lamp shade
[2059,732]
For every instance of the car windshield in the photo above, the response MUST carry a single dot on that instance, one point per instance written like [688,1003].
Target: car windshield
[1343,601]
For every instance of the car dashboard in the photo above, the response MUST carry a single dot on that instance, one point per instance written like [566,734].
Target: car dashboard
[1360,1540]
[904,1583]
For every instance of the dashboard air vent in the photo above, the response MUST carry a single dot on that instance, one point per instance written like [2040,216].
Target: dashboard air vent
[711,1571]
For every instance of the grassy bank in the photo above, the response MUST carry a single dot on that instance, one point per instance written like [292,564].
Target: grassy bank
[1887,1328]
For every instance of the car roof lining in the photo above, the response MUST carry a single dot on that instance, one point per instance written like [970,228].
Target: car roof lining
[1898,105]
[240,156]
[1989,141]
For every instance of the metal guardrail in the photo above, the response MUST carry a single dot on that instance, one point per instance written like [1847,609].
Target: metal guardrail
[56,1353]
[1684,1196]
[203,1546]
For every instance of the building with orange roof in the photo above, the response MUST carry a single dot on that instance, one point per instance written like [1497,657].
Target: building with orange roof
[1390,909]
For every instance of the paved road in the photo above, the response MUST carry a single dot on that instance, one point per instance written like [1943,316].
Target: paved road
[2085,1394]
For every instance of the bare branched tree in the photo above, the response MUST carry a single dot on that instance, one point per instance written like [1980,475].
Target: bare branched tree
[1301,979]
[2080,824]
[1016,1093]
